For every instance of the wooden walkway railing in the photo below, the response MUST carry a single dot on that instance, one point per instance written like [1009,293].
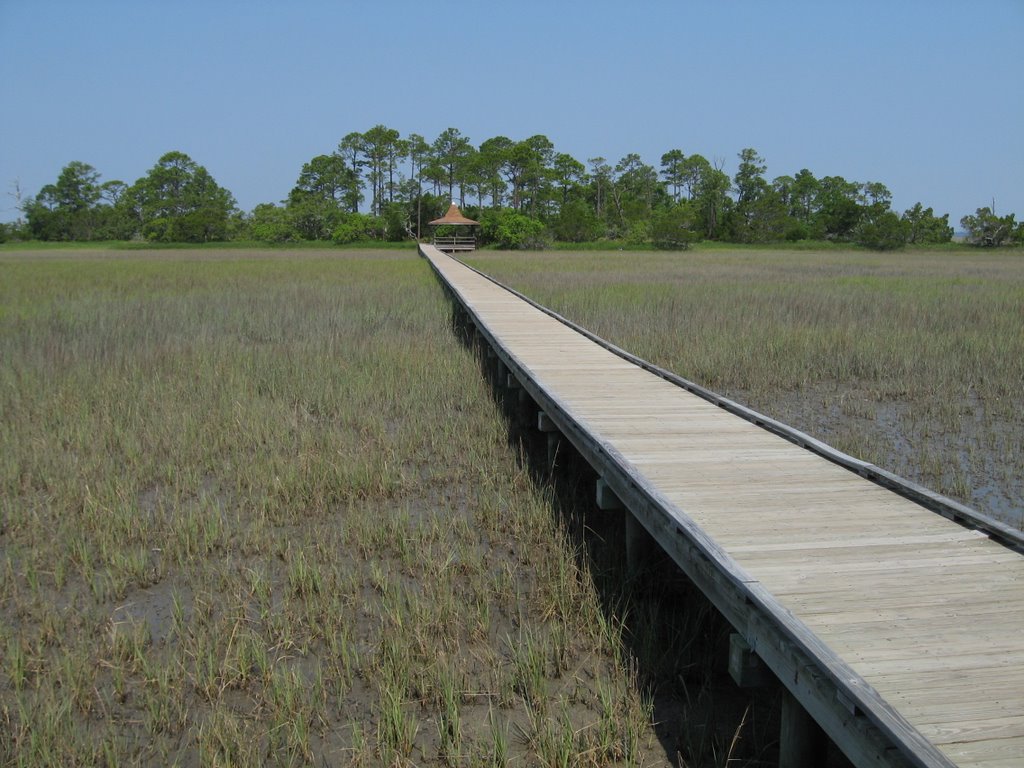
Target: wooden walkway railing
[894,617]
[451,243]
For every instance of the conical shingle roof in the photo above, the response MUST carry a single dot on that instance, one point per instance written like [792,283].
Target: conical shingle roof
[454,216]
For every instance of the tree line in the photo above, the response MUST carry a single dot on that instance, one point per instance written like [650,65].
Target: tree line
[176,201]
[381,185]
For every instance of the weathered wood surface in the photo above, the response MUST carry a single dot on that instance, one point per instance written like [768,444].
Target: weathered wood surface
[916,610]
[455,243]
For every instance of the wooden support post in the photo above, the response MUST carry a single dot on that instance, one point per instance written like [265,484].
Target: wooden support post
[523,401]
[519,400]
[802,743]
[546,425]
[500,381]
[639,545]
[606,498]
[745,667]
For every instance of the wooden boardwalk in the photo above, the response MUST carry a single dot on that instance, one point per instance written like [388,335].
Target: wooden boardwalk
[900,631]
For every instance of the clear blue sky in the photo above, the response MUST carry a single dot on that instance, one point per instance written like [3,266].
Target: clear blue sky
[926,97]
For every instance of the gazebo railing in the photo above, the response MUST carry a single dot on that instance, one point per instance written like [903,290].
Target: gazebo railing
[455,242]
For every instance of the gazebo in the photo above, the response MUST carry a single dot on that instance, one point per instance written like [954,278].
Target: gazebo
[453,242]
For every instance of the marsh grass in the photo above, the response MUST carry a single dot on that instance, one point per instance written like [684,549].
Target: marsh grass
[261,509]
[913,361]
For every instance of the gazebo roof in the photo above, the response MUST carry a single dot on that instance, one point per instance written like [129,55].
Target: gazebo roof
[454,216]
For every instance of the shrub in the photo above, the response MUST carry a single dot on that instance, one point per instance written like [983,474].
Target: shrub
[923,226]
[796,230]
[509,229]
[674,228]
[638,233]
[984,228]
[355,227]
[397,226]
[577,223]
[271,224]
[884,232]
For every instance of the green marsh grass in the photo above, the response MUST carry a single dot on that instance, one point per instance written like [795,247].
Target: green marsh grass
[913,361]
[260,508]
